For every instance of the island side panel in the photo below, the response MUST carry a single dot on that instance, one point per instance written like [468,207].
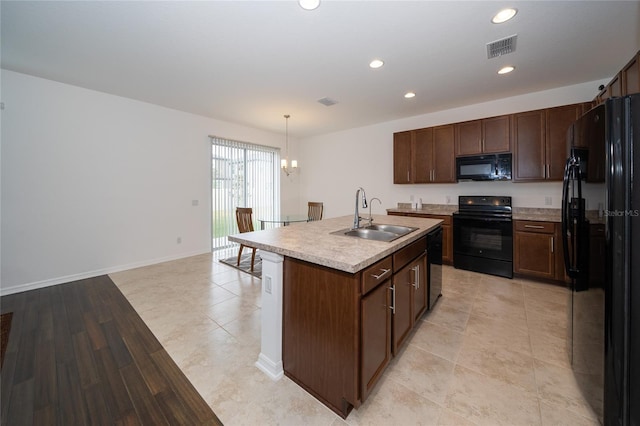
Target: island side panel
[321,332]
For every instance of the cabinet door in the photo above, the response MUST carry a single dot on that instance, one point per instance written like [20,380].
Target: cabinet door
[402,157]
[631,76]
[376,336]
[614,88]
[558,121]
[496,134]
[422,147]
[528,144]
[534,254]
[468,137]
[419,268]
[447,245]
[443,158]
[402,301]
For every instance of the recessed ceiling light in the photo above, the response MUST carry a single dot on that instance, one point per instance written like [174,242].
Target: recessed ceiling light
[409,95]
[376,63]
[309,4]
[504,15]
[506,70]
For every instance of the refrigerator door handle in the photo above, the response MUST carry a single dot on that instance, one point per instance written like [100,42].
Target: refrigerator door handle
[565,217]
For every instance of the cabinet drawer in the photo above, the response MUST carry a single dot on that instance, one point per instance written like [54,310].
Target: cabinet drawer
[408,253]
[534,226]
[376,274]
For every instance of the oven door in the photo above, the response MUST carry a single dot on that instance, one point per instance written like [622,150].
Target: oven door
[483,237]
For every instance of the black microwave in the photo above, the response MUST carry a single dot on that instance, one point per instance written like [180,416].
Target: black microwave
[484,167]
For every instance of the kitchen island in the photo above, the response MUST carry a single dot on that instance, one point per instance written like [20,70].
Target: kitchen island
[335,308]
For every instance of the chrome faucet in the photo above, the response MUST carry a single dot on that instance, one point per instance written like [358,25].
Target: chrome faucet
[356,214]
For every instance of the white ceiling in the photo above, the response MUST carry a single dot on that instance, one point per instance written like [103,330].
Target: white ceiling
[253,62]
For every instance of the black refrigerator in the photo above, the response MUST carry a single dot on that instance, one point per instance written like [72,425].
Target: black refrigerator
[601,236]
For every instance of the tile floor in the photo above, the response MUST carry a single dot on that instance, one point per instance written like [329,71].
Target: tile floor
[492,352]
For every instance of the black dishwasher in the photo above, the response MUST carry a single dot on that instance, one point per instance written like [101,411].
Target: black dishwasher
[434,265]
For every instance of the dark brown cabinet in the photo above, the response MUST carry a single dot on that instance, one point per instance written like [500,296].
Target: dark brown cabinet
[558,120]
[631,76]
[340,330]
[376,335]
[422,156]
[540,142]
[537,251]
[528,146]
[402,162]
[409,299]
[489,135]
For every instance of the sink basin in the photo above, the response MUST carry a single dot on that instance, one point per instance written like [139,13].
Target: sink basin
[377,232]
[395,229]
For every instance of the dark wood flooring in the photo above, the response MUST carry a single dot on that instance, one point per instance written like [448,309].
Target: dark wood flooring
[79,354]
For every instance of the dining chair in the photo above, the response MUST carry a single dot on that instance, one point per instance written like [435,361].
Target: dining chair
[244,217]
[315,210]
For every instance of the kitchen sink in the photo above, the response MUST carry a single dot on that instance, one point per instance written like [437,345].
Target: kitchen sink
[377,232]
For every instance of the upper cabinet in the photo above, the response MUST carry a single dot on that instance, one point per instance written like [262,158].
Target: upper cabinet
[424,156]
[626,82]
[402,164]
[540,142]
[529,161]
[489,135]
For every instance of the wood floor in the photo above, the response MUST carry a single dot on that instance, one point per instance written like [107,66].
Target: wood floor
[79,354]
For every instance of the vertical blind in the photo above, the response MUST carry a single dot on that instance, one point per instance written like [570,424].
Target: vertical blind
[243,175]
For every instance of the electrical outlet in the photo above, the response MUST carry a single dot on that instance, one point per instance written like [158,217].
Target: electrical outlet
[194,202]
[548,201]
[411,198]
[448,199]
[179,240]
[267,284]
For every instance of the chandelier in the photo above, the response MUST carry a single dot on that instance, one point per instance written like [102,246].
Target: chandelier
[284,163]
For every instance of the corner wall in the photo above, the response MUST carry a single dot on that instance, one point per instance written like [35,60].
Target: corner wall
[94,183]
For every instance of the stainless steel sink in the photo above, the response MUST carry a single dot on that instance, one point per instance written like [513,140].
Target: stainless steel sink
[377,232]
[395,229]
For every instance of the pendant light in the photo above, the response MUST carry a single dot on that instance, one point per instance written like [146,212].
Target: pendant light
[284,163]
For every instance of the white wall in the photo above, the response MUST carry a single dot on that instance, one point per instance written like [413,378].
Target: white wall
[334,165]
[95,183]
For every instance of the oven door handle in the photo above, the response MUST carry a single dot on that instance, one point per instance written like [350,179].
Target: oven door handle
[484,218]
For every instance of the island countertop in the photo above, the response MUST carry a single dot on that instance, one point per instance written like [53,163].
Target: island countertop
[313,241]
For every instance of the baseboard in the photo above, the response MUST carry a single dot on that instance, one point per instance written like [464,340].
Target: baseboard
[4,291]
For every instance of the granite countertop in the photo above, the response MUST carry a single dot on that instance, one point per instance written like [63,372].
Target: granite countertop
[313,241]
[539,214]
[440,209]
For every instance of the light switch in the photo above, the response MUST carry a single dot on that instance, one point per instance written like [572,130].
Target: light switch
[194,202]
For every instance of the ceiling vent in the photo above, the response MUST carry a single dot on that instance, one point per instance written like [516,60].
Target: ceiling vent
[501,47]
[327,101]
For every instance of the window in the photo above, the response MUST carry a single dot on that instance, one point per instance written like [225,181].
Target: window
[243,175]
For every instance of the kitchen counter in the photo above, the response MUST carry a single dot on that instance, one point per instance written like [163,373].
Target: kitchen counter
[313,241]
[439,209]
[539,214]
[340,256]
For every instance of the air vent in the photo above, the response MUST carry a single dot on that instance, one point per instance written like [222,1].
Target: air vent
[501,47]
[327,101]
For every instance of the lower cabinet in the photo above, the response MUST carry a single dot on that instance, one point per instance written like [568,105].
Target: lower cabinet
[537,250]
[340,330]
[409,299]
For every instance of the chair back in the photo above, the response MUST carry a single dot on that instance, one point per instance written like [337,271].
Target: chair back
[244,217]
[315,210]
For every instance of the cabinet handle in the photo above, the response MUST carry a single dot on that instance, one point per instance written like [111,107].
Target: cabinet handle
[384,272]
[534,226]
[393,299]
[548,170]
[544,170]
[552,245]
[416,277]
[408,177]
